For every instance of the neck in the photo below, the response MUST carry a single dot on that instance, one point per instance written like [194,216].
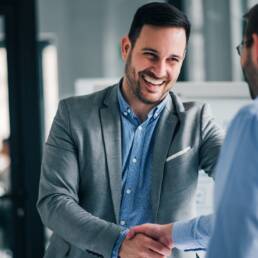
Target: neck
[140,108]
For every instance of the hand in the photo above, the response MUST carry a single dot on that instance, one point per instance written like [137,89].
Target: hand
[142,246]
[162,233]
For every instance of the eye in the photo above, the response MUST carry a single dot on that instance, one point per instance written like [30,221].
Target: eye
[174,60]
[151,56]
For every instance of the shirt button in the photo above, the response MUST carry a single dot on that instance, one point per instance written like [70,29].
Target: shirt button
[134,160]
[122,222]
[128,191]
[140,128]
[125,113]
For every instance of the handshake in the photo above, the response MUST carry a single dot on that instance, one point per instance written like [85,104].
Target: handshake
[147,241]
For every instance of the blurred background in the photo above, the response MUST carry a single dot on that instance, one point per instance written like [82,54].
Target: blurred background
[52,49]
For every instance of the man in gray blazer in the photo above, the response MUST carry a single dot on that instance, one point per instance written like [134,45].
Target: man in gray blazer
[129,154]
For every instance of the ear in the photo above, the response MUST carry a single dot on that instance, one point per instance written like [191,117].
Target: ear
[125,47]
[255,47]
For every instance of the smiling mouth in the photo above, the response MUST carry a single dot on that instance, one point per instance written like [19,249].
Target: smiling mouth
[151,80]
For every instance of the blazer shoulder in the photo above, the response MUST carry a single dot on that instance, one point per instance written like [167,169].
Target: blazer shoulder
[197,108]
[186,106]
[193,105]
[90,101]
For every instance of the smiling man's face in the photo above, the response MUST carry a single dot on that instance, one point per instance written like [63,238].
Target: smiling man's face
[153,64]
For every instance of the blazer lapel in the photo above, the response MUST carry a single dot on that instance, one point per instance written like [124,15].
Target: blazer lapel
[165,131]
[111,128]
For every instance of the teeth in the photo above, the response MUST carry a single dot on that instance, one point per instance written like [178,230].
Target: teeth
[152,81]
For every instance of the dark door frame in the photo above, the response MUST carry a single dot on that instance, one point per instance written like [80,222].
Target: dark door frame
[25,107]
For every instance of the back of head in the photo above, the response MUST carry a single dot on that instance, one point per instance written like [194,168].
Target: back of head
[251,18]
[158,14]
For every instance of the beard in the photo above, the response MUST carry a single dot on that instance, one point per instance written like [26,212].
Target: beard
[250,83]
[251,76]
[135,85]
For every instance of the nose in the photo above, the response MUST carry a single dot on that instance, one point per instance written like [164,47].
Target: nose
[160,69]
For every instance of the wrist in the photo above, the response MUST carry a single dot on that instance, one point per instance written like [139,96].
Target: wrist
[168,230]
[166,235]
[118,244]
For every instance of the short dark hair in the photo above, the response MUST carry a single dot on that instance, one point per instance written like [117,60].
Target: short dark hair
[158,14]
[251,22]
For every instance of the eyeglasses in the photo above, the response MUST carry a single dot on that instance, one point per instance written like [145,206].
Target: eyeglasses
[240,47]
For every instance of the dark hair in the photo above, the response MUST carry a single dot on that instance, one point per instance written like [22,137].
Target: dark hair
[158,14]
[251,22]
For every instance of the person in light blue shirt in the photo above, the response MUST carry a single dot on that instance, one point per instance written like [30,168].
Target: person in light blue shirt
[235,232]
[232,232]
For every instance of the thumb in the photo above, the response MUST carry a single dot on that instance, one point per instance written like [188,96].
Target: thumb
[131,234]
[167,242]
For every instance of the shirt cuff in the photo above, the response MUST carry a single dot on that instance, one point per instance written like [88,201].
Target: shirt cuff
[194,234]
[118,243]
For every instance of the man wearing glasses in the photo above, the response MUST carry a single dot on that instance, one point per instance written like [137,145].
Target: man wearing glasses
[235,227]
[236,222]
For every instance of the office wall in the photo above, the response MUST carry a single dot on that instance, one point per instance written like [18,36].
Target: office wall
[76,29]
[87,34]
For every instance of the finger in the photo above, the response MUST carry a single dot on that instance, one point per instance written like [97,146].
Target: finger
[158,248]
[166,242]
[131,234]
[152,254]
[154,232]
[142,229]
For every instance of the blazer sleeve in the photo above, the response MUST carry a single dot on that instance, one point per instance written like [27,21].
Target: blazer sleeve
[58,202]
[211,141]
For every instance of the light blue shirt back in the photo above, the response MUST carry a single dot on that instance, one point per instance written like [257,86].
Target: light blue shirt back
[235,231]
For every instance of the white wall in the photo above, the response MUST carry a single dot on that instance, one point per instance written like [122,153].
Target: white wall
[87,34]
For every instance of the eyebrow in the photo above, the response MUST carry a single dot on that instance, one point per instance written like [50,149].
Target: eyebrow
[156,52]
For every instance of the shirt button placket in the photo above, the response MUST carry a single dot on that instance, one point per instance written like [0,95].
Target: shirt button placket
[128,191]
[122,223]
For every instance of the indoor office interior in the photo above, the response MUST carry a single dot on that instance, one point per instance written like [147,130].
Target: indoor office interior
[53,49]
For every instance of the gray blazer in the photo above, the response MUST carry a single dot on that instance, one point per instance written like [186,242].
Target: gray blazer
[80,185]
